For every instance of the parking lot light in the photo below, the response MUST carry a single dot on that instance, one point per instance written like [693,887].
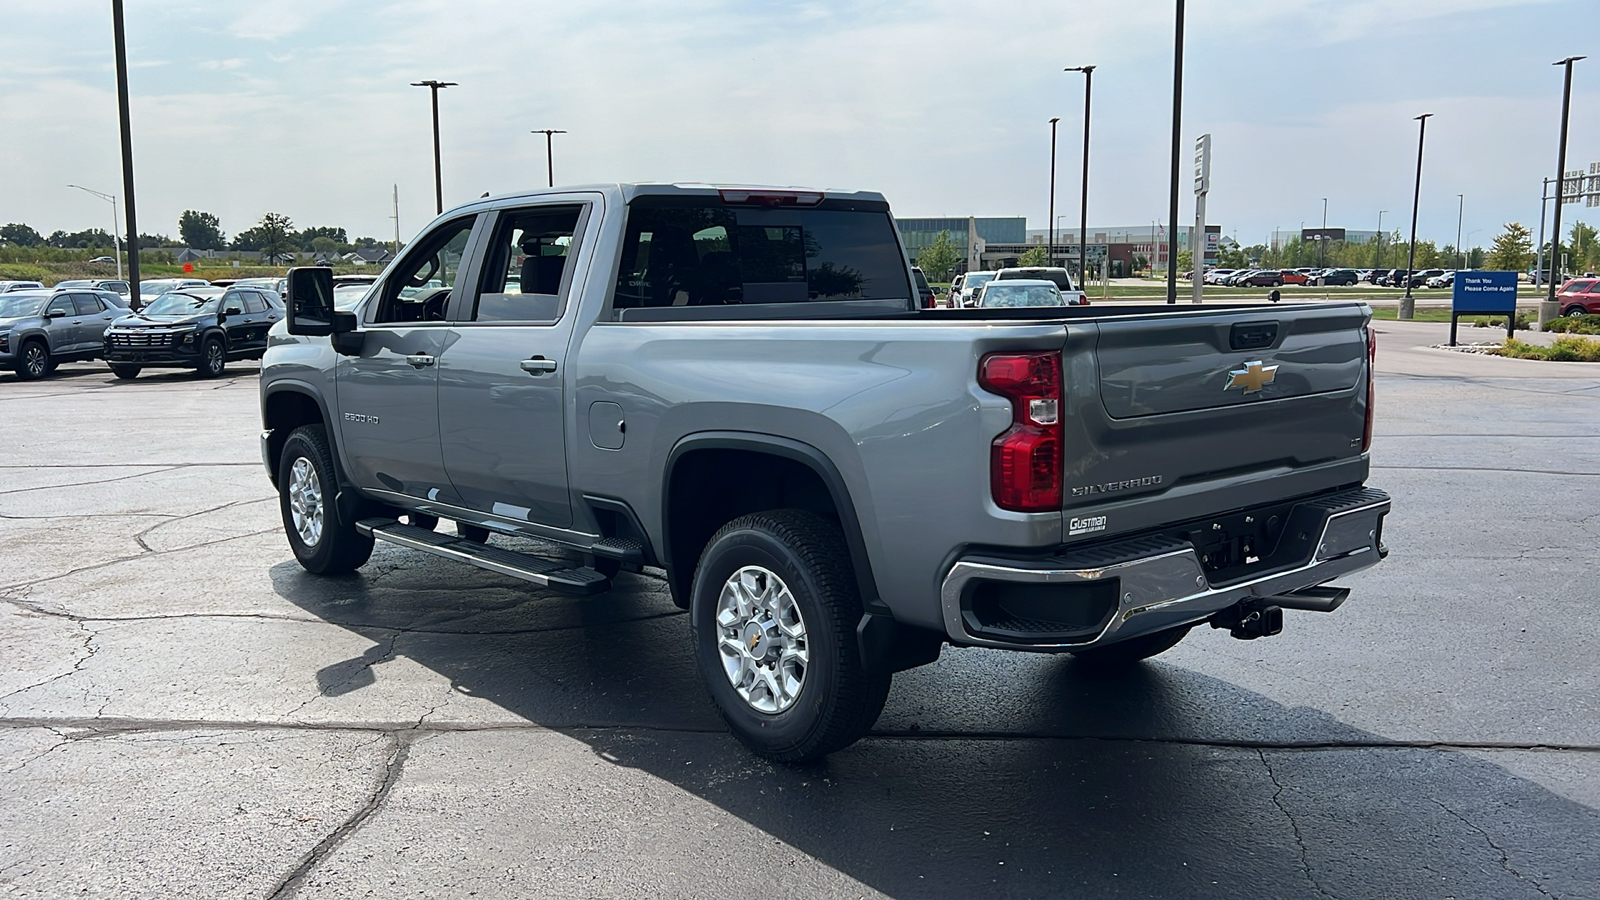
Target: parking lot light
[549,151]
[116,241]
[438,178]
[1083,211]
[1549,309]
[1408,306]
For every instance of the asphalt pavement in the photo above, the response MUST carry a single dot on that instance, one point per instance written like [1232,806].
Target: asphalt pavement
[184,712]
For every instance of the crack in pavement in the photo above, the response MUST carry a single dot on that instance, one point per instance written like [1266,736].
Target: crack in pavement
[122,559]
[62,742]
[89,650]
[368,664]
[52,487]
[1505,858]
[1299,838]
[394,766]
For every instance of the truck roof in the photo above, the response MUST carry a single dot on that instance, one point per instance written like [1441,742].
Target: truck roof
[630,190]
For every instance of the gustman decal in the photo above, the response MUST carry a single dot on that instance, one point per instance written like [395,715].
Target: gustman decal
[1086,525]
[1108,487]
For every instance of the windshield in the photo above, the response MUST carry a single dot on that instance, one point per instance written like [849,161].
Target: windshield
[151,288]
[20,305]
[180,304]
[346,298]
[1002,294]
[975,280]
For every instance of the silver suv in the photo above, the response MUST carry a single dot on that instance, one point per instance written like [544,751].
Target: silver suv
[39,330]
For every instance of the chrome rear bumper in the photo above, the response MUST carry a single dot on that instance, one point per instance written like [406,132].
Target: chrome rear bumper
[1160,581]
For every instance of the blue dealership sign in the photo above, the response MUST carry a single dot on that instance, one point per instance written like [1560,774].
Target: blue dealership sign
[1484,292]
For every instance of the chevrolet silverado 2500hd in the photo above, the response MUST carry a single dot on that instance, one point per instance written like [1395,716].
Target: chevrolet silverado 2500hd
[739,386]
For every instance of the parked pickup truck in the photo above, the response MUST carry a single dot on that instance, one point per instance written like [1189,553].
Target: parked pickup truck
[738,386]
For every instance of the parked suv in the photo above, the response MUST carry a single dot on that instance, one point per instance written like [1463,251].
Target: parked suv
[1056,275]
[109,285]
[971,283]
[198,328]
[1579,297]
[39,329]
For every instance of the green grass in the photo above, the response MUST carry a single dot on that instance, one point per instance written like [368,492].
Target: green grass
[1566,348]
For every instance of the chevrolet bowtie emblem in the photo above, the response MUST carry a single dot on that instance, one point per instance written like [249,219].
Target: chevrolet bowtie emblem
[1253,377]
[754,640]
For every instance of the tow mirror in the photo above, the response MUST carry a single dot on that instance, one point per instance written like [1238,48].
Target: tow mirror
[309,298]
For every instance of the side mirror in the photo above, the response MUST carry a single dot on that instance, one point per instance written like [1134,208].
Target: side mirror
[1273,296]
[54,313]
[309,301]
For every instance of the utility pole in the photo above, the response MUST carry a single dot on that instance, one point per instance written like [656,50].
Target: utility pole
[1377,255]
[132,230]
[1083,210]
[549,151]
[1322,239]
[1197,238]
[1052,254]
[1408,306]
[1177,124]
[116,242]
[1549,308]
[1461,207]
[438,177]
[396,218]
[1538,265]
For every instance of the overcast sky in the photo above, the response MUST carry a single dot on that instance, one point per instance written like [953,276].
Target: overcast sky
[303,106]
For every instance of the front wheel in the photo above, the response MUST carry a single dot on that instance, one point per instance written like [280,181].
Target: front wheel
[1575,311]
[126,373]
[322,541]
[35,362]
[213,358]
[773,613]
[1132,650]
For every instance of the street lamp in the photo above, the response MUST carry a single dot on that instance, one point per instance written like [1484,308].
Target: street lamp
[1548,309]
[549,159]
[438,178]
[1461,207]
[1322,239]
[1377,255]
[1408,306]
[1083,211]
[1177,124]
[120,43]
[1052,255]
[116,242]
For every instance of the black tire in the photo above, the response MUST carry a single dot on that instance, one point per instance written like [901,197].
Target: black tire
[476,533]
[213,358]
[1132,650]
[34,361]
[126,373]
[339,548]
[1575,311]
[839,699]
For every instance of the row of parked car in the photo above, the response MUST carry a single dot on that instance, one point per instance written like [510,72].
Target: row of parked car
[1319,277]
[1016,286]
[181,323]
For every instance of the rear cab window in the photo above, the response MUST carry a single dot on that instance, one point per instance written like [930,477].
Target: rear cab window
[686,257]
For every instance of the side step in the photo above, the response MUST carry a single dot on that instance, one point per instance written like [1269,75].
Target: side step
[543,572]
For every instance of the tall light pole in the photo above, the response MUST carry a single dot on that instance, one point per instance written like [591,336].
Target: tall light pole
[132,231]
[1322,239]
[1177,147]
[1083,211]
[1549,309]
[549,151]
[116,242]
[1052,255]
[1377,255]
[1408,306]
[438,177]
[1461,207]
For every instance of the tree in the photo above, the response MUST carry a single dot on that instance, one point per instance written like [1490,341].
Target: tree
[307,237]
[276,234]
[20,235]
[201,230]
[1033,256]
[1185,260]
[938,258]
[1584,247]
[324,246]
[1512,249]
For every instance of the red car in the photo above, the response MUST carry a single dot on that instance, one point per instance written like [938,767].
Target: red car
[1290,276]
[1578,297]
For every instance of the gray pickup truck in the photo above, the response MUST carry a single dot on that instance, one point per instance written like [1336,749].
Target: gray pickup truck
[738,386]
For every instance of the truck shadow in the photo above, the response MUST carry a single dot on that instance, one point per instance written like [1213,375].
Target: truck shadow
[992,774]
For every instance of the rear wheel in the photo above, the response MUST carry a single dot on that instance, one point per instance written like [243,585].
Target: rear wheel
[1574,311]
[1132,650]
[773,613]
[322,541]
[126,373]
[35,362]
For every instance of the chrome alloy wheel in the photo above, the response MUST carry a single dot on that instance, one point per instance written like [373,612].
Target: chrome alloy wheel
[305,501]
[34,359]
[214,357]
[762,639]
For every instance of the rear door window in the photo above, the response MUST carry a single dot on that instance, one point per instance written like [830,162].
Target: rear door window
[1579,287]
[687,252]
[87,304]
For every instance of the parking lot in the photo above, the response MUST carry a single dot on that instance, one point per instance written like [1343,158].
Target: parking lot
[185,712]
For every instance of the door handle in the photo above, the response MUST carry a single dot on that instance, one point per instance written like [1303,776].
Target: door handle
[419,360]
[538,365]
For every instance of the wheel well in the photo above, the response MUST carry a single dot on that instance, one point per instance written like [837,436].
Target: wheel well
[282,413]
[712,487]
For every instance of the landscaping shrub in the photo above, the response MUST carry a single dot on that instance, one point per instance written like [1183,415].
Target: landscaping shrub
[1574,325]
[1564,349]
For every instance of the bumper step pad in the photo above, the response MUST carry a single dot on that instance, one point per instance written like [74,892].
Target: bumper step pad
[553,574]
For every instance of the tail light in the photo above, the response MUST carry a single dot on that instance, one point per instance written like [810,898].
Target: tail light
[1372,361]
[1025,461]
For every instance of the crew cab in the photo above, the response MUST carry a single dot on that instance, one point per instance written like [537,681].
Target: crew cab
[738,386]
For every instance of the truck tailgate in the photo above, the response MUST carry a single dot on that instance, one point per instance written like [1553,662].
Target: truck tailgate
[1183,415]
